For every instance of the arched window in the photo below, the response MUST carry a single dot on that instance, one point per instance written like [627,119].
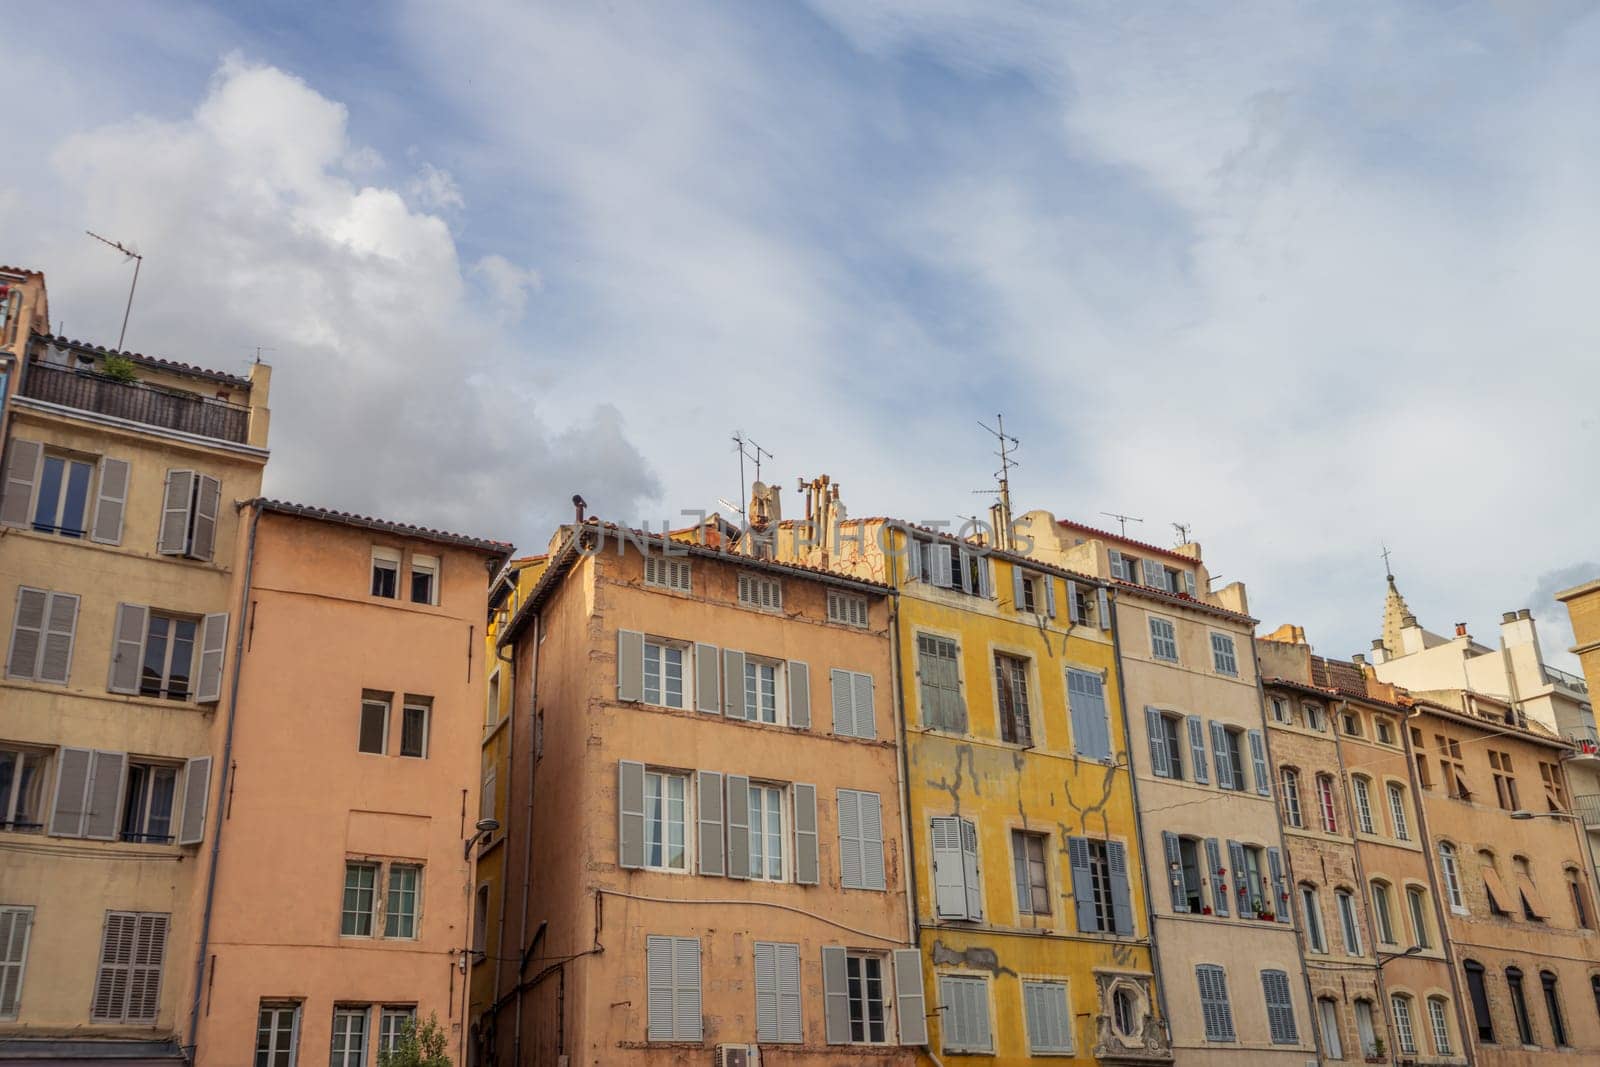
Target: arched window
[1311,906]
[1383,913]
[1328,1019]
[1478,992]
[1439,1022]
[1519,1005]
[1330,819]
[1289,780]
[1417,906]
[1366,1029]
[1363,788]
[1348,926]
[1397,811]
[1400,1006]
[1552,1005]
[1452,876]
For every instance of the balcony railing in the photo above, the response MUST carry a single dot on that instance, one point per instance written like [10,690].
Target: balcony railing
[137,402]
[1571,681]
[1587,807]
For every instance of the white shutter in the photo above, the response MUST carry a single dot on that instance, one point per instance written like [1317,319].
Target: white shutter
[870,807]
[108,772]
[861,689]
[765,954]
[949,881]
[213,646]
[71,806]
[60,626]
[969,870]
[659,989]
[111,501]
[850,839]
[15,925]
[127,648]
[791,1028]
[909,1000]
[196,799]
[843,693]
[27,633]
[22,470]
[179,491]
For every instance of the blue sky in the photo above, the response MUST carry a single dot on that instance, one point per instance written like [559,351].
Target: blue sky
[1311,278]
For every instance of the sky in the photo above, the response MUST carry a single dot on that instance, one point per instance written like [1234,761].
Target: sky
[1310,279]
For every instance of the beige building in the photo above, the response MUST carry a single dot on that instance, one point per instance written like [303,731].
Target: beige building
[117,554]
[1225,943]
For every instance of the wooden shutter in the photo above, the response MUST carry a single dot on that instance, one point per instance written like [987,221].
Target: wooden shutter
[630,814]
[1214,1002]
[1073,616]
[1160,759]
[213,646]
[949,884]
[940,568]
[1280,886]
[1091,727]
[127,648]
[709,801]
[1017,581]
[805,834]
[1155,575]
[1048,1021]
[179,491]
[630,665]
[659,989]
[1188,583]
[1082,883]
[861,689]
[71,806]
[1121,895]
[969,870]
[208,497]
[766,960]
[15,924]
[1103,605]
[1197,749]
[687,1022]
[111,501]
[1050,596]
[1219,749]
[850,839]
[913,558]
[870,806]
[60,626]
[835,995]
[1169,845]
[843,694]
[116,961]
[1280,1007]
[1219,881]
[738,810]
[707,693]
[144,974]
[908,996]
[22,470]
[108,773]
[1258,763]
[791,1027]
[27,633]
[196,799]
[733,696]
[1114,560]
[799,695]
[1241,887]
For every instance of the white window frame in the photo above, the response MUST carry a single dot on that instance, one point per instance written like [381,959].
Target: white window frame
[392,1019]
[1327,804]
[1311,905]
[1404,1028]
[172,619]
[1280,711]
[1439,1022]
[1382,912]
[1224,660]
[663,776]
[23,914]
[350,1057]
[1421,934]
[391,893]
[671,574]
[372,908]
[848,609]
[760,591]
[272,1050]
[10,802]
[780,688]
[1289,787]
[777,796]
[387,706]
[885,985]
[657,647]
[174,817]
[1328,1023]
[1363,790]
[91,492]
[1450,865]
[1397,810]
[384,559]
[966,1046]
[1159,641]
[1349,923]
[1312,714]
[491,711]
[429,565]
[413,702]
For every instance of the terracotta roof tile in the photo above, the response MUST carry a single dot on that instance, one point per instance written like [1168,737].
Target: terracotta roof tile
[402,529]
[1107,535]
[149,361]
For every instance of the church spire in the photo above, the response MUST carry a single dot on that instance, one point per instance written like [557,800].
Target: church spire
[1395,613]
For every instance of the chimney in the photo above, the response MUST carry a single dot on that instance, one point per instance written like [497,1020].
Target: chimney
[1359,659]
[578,504]
[1410,635]
[1461,629]
[1379,653]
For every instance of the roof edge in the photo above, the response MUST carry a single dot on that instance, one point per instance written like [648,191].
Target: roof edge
[498,550]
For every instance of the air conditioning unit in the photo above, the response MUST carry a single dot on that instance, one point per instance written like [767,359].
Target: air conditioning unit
[738,1056]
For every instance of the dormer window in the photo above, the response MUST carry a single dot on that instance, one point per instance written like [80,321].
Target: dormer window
[1152,573]
[950,566]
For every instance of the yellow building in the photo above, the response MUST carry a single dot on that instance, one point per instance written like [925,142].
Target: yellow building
[1027,873]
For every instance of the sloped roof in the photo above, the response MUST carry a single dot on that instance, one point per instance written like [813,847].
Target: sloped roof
[147,361]
[498,549]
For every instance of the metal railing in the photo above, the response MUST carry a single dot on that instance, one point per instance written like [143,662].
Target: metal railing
[137,402]
[1560,677]
[1586,806]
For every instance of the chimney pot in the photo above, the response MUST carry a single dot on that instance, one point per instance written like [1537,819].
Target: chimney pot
[1359,658]
[1408,621]
[1508,616]
[1524,614]
[1461,629]
[1377,643]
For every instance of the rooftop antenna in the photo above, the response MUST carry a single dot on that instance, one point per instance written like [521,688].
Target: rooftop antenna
[263,348]
[1008,448]
[740,441]
[1122,520]
[1183,529]
[138,261]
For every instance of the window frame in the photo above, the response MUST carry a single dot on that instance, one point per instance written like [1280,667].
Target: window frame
[1349,922]
[412,702]
[389,1037]
[1553,1009]
[372,700]
[370,913]
[363,1012]
[1450,867]
[656,649]
[779,794]
[392,894]
[1327,804]
[69,459]
[858,961]
[1159,641]
[1404,1025]
[1439,1022]
[431,567]
[141,811]
[385,560]
[1289,791]
[1478,996]
[663,775]
[1361,785]
[1399,822]
[1311,908]
[1023,863]
[272,1051]
[1224,661]
[753,666]
[968,1046]
[40,784]
[1417,911]
[1013,677]
[169,640]
[933,646]
[1382,913]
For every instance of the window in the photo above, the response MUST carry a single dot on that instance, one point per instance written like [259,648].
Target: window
[414,726]
[663,674]
[1479,995]
[1328,1016]
[61,502]
[1555,789]
[1011,688]
[1453,768]
[1223,657]
[864,992]
[1405,1037]
[1312,714]
[1594,987]
[853,713]
[666,798]
[1385,732]
[491,711]
[1423,777]
[15,925]
[1417,905]
[386,573]
[1452,877]
[778,1017]
[127,987]
[1125,1011]
[277,1034]
[1363,790]
[1280,710]
[1230,772]
[1166,748]
[480,922]
[374,734]
[1163,639]
[1086,703]
[1397,811]
[1348,927]
[1190,877]
[400,902]
[664,573]
[1580,898]
[1251,882]
[1382,916]
[860,840]
[190,503]
[1124,566]
[756,591]
[966,1013]
[1439,1020]
[1100,885]
[1214,1006]
[958,894]
[1532,906]
[1325,801]
[1351,723]
[1048,1019]
[424,579]
[1505,782]
[1289,787]
[1494,890]
[1365,1030]
[1032,871]
[850,610]
[1552,1005]
[1029,601]
[42,632]
[1280,1007]
[672,986]
[147,803]
[761,689]
[1312,907]
[22,785]
[349,1037]
[486,797]
[766,832]
[168,657]
[1519,1005]
[360,899]
[939,673]
[392,1026]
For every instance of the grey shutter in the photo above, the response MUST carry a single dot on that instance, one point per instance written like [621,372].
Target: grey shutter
[1258,762]
[835,995]
[766,961]
[1280,1007]
[1160,759]
[630,814]
[1155,575]
[849,839]
[913,558]
[1241,888]
[969,870]
[1280,886]
[111,501]
[630,665]
[1219,882]
[870,805]
[1104,606]
[709,785]
[707,695]
[1114,558]
[1091,726]
[1169,844]
[799,695]
[110,1001]
[790,1025]
[27,633]
[196,798]
[127,648]
[213,642]
[107,773]
[22,470]
[72,793]
[144,984]
[985,576]
[940,569]
[174,536]
[738,809]
[1072,604]
[1197,749]
[1082,883]
[805,834]
[60,626]
[1020,872]
[908,996]
[659,988]
[1219,749]
[687,1022]
[733,684]
[949,884]
[843,693]
[1188,583]
[1050,596]
[207,499]
[1016,587]
[861,690]
[1121,897]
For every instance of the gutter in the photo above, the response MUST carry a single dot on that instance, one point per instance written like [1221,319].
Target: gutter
[913,920]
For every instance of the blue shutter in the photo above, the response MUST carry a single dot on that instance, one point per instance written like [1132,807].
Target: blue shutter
[1050,596]
[1169,843]
[1082,883]
[1219,881]
[1121,897]
[1104,604]
[969,868]
[1280,885]
[1258,760]
[1219,749]
[1197,749]
[1160,760]
[1241,888]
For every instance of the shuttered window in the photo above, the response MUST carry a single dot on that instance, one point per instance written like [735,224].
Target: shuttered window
[1100,885]
[957,891]
[1280,1007]
[1214,1006]
[964,1001]
[1048,1019]
[667,573]
[127,987]
[939,675]
[1223,657]
[1163,639]
[860,840]
[853,714]
[757,591]
[850,610]
[16,923]
[1033,879]
[1086,701]
[1011,692]
[663,674]
[778,1017]
[672,981]
[190,504]
[43,629]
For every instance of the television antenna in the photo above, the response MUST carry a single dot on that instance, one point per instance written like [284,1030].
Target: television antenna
[138,261]
[1122,520]
[748,449]
[1183,529]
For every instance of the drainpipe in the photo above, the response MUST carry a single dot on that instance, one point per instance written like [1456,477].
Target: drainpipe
[913,920]
[222,782]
